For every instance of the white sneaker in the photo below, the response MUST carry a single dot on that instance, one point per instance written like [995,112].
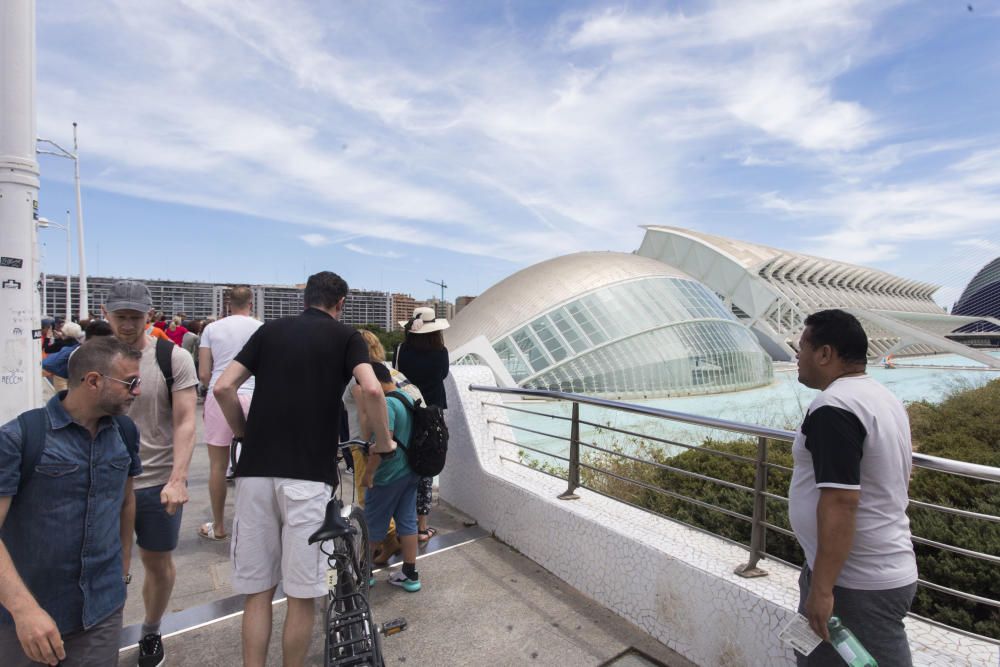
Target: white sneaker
[397,578]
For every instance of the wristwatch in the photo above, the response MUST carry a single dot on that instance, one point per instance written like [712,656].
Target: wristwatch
[127,578]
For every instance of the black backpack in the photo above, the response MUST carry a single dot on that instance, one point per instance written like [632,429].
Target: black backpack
[428,445]
[164,359]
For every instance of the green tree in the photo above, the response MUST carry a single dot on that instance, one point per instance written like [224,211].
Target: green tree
[389,339]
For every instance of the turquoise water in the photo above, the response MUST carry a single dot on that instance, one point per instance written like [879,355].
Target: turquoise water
[782,404]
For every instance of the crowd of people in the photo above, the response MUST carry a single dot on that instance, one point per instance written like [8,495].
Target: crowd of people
[104,465]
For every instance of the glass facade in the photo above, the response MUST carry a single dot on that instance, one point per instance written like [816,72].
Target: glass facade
[654,335]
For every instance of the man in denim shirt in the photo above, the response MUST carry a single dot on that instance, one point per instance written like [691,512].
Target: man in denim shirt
[62,565]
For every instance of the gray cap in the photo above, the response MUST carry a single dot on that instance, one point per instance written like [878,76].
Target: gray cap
[129,295]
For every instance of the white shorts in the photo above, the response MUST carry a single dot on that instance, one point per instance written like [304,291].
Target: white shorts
[273,519]
[217,431]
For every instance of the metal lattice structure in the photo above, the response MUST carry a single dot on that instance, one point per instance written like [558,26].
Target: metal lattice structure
[981,297]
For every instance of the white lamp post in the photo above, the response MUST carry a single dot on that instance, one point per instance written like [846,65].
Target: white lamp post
[20,351]
[45,223]
[59,151]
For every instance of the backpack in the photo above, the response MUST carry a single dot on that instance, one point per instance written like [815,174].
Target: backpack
[35,423]
[164,359]
[428,445]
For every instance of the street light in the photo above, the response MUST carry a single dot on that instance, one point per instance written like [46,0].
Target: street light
[45,223]
[59,151]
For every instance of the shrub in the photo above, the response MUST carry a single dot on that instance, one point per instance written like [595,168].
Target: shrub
[964,426]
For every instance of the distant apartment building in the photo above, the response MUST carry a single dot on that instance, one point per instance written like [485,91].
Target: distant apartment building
[366,307]
[199,300]
[444,309]
[463,301]
[402,309]
[194,299]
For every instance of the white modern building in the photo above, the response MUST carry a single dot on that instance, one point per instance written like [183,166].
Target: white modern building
[608,323]
[772,291]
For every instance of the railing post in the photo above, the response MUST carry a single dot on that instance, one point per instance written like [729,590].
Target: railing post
[757,530]
[573,473]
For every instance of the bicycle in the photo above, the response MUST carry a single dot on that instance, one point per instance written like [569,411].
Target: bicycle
[352,636]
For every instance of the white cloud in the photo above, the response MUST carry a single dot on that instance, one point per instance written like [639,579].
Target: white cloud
[388,254]
[983,245]
[315,240]
[406,124]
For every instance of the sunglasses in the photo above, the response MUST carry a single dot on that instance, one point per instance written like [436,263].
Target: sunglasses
[132,384]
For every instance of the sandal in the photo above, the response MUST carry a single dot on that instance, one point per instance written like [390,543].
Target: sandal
[424,536]
[207,530]
[380,558]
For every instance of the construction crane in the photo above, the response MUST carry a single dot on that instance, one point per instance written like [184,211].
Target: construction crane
[439,284]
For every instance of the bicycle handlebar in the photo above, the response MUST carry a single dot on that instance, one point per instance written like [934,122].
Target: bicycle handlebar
[356,442]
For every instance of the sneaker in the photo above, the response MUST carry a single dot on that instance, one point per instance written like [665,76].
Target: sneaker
[397,578]
[151,651]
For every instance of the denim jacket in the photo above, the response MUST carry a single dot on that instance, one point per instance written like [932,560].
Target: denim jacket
[63,528]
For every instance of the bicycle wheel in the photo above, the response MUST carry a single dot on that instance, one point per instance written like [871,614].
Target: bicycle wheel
[362,550]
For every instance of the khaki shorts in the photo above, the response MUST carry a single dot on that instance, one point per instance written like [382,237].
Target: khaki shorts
[274,517]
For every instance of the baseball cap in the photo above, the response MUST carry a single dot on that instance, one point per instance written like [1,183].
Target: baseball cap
[129,295]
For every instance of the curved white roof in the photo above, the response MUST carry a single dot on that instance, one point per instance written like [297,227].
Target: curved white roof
[543,286]
[783,266]
[774,290]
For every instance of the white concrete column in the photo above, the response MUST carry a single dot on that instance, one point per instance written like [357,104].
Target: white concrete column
[20,310]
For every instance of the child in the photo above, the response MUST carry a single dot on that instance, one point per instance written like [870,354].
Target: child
[392,486]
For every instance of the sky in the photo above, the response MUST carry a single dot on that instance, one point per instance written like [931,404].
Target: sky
[398,142]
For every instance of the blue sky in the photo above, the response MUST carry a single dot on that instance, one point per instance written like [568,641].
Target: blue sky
[392,142]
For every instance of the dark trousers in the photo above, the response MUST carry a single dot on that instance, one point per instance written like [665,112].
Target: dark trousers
[96,647]
[875,618]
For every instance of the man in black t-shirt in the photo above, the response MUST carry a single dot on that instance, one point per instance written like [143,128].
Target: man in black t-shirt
[287,464]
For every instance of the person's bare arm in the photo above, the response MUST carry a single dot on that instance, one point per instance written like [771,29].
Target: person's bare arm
[174,493]
[225,391]
[127,525]
[374,459]
[37,632]
[372,399]
[204,365]
[835,514]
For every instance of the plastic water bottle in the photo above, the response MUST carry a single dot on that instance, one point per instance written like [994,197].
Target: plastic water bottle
[848,646]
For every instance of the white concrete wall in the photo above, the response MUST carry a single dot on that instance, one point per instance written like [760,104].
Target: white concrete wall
[674,582]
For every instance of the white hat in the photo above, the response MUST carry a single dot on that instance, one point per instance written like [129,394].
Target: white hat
[72,330]
[424,321]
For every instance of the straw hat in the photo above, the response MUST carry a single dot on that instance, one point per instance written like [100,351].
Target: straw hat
[424,321]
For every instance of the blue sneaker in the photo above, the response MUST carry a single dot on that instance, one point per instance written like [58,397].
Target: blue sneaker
[397,578]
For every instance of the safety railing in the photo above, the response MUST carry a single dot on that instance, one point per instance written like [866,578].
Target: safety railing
[758,518]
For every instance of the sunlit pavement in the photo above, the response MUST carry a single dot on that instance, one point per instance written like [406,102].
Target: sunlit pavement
[482,603]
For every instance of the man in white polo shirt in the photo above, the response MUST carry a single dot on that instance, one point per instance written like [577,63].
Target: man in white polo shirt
[848,496]
[220,342]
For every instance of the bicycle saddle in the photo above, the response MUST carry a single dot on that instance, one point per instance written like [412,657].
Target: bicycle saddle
[334,525]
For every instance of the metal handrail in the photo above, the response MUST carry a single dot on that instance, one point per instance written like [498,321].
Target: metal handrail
[759,523]
[723,424]
[926,461]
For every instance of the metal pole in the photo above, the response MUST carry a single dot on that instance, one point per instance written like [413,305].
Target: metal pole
[573,474]
[69,280]
[20,351]
[84,305]
[757,531]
